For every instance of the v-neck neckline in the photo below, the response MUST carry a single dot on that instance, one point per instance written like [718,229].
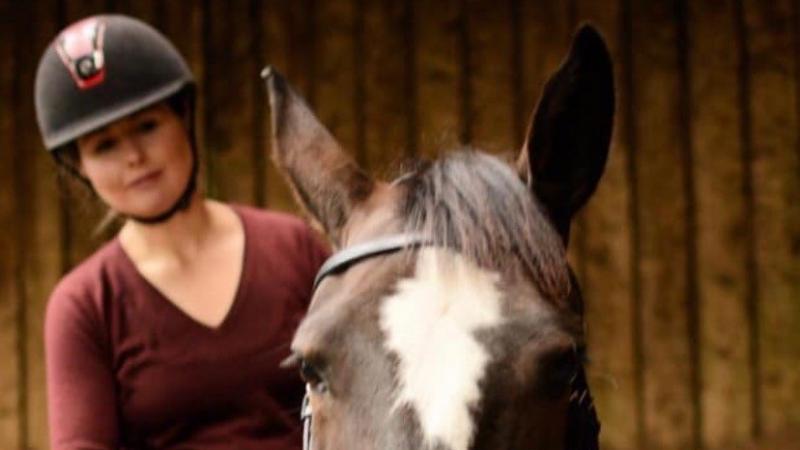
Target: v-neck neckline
[164,299]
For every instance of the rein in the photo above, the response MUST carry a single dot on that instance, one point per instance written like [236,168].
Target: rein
[583,427]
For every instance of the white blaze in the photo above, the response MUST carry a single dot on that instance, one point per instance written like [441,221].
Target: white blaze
[430,324]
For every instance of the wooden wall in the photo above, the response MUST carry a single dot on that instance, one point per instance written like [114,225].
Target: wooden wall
[689,254]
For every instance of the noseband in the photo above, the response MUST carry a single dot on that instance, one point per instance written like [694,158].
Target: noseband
[583,427]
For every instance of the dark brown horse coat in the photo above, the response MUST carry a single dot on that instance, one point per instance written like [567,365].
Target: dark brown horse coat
[472,339]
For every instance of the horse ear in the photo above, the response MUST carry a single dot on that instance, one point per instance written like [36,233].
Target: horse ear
[326,181]
[566,148]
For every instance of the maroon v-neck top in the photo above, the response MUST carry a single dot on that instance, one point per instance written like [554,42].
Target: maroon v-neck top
[127,369]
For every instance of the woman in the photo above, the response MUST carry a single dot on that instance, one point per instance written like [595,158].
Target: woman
[170,335]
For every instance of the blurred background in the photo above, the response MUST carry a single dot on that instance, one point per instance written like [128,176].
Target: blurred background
[689,254]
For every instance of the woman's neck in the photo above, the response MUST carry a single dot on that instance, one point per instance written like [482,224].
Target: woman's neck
[179,238]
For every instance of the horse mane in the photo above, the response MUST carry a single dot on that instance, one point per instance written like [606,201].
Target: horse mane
[476,205]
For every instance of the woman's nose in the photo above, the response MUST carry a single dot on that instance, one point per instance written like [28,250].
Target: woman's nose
[134,151]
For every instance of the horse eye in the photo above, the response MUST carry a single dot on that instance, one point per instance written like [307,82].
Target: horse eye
[560,369]
[313,377]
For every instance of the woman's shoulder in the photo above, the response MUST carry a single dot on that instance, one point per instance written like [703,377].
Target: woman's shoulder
[80,287]
[76,320]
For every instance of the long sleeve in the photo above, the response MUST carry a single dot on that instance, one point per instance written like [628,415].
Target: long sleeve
[80,386]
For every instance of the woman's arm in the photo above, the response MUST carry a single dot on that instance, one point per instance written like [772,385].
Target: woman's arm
[82,404]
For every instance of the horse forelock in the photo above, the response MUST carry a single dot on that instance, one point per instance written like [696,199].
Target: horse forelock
[476,205]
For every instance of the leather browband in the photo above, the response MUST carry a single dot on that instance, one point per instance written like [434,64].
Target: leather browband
[350,255]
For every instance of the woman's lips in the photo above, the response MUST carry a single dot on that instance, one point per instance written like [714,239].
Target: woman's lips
[145,180]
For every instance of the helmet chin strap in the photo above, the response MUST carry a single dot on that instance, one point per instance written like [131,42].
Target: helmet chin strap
[181,204]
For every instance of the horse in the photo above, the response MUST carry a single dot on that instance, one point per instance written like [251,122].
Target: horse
[449,318]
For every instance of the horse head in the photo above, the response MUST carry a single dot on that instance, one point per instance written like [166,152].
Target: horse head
[451,319]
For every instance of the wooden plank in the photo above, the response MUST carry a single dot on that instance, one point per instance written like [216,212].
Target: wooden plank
[774,167]
[689,196]
[667,397]
[519,115]
[182,23]
[150,11]
[287,45]
[629,135]
[606,278]
[74,10]
[545,37]
[336,103]
[38,215]
[384,94]
[9,300]
[438,76]
[258,105]
[465,75]
[230,83]
[410,79]
[359,82]
[491,65]
[206,118]
[724,337]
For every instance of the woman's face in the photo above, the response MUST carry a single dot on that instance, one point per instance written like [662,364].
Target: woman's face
[138,165]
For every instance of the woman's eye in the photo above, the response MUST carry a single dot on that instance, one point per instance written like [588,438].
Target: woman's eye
[105,145]
[312,376]
[147,125]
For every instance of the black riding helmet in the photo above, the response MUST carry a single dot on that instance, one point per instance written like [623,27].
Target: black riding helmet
[101,69]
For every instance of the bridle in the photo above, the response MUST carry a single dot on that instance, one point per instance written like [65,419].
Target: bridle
[583,427]
[341,260]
